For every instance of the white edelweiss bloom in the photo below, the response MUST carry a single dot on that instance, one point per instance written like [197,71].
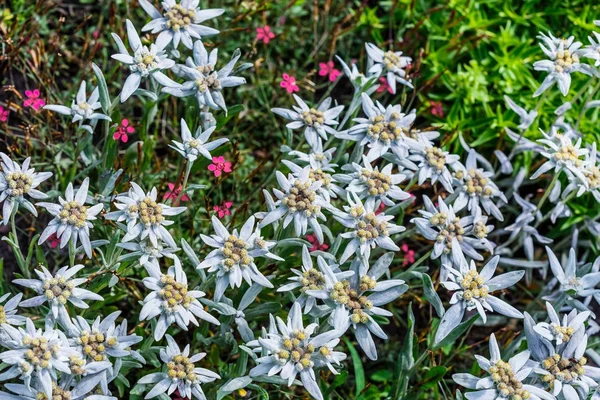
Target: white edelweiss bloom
[317,158]
[171,301]
[145,252]
[311,278]
[299,201]
[505,380]
[390,64]
[592,51]
[144,62]
[292,351]
[57,290]
[477,233]
[372,185]
[233,256]
[328,188]
[440,224]
[82,109]
[562,155]
[180,22]
[563,368]
[72,218]
[357,78]
[429,162]
[384,128]
[66,389]
[36,354]
[590,170]
[367,229]
[573,281]
[526,118]
[561,331]
[317,122]
[193,146]
[145,218]
[205,83]
[354,300]
[563,60]
[474,188]
[8,313]
[180,373]
[17,181]
[472,290]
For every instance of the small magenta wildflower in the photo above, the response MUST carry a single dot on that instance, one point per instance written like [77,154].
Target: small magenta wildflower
[384,85]
[265,34]
[219,166]
[33,99]
[289,83]
[436,109]
[223,209]
[173,194]
[312,239]
[409,255]
[328,69]
[3,114]
[123,131]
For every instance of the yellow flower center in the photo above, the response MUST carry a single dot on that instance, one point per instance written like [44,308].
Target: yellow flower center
[383,130]
[435,158]
[236,253]
[507,383]
[2,315]
[210,82]
[313,117]
[565,60]
[39,352]
[562,369]
[473,286]
[58,393]
[73,213]
[19,183]
[377,182]
[58,288]
[180,367]
[150,212]
[312,279]
[77,365]
[342,293]
[301,198]
[179,17]
[296,349]
[391,60]
[173,293]
[94,345]
[317,175]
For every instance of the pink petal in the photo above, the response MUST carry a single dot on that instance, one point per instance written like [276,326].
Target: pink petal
[36,93]
[28,93]
[212,167]
[228,204]
[217,173]
[116,135]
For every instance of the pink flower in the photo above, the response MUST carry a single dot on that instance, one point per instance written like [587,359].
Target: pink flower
[436,108]
[223,209]
[264,34]
[123,131]
[312,239]
[380,209]
[173,194]
[409,255]
[289,84]
[384,85]
[33,100]
[3,114]
[328,68]
[53,241]
[219,166]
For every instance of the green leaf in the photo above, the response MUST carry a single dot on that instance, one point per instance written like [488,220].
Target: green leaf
[339,380]
[431,296]
[233,385]
[456,332]
[433,376]
[359,372]
[102,89]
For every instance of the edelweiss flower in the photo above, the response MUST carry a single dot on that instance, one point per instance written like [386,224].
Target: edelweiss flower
[81,109]
[523,229]
[8,311]
[569,279]
[146,252]
[72,218]
[354,301]
[145,217]
[205,83]
[383,129]
[66,390]
[474,188]
[311,278]
[368,230]
[505,380]
[180,22]
[472,291]
[562,155]
[429,162]
[564,60]
[440,224]
[389,63]
[144,62]
[17,181]
[373,185]
[526,118]
[328,188]
[291,351]
[37,354]
[590,170]
[56,290]
[233,256]
[357,78]
[317,122]
[181,373]
[193,146]
[561,332]
[592,51]
[300,202]
[317,158]
[171,300]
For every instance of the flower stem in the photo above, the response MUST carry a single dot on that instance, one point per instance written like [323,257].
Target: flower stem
[72,251]
[548,191]
[183,186]
[14,241]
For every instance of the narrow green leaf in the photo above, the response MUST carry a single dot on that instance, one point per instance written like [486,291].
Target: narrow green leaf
[102,89]
[431,296]
[433,376]
[359,372]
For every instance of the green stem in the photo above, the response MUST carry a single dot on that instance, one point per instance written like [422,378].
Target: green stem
[72,251]
[183,186]
[548,191]
[15,244]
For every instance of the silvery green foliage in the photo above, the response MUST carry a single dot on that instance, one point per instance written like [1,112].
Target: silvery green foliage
[505,380]
[318,121]
[71,222]
[16,182]
[171,301]
[58,289]
[353,300]
[472,291]
[82,109]
[390,64]
[180,22]
[290,350]
[181,373]
[144,62]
